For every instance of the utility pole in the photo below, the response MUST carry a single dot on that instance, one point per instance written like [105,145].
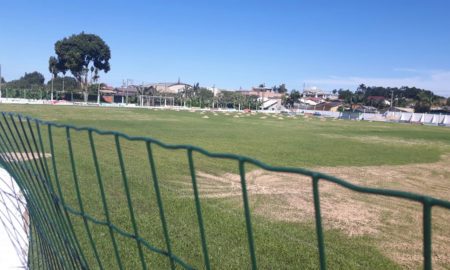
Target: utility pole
[392,99]
[98,93]
[128,80]
[0,82]
[142,94]
[123,85]
[53,75]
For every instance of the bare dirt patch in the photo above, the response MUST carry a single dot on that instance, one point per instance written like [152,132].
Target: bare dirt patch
[396,225]
[378,140]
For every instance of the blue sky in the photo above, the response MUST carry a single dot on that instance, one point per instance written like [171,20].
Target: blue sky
[233,44]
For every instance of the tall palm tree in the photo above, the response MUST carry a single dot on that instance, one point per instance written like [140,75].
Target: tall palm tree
[53,68]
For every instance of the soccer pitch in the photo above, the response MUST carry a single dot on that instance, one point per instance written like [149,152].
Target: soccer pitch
[362,232]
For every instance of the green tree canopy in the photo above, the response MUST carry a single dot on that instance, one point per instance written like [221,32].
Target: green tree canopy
[28,81]
[70,84]
[345,95]
[404,96]
[282,88]
[53,66]
[292,98]
[79,54]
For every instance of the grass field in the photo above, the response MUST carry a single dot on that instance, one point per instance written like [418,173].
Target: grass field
[362,232]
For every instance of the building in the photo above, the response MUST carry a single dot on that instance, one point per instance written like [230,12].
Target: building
[311,100]
[169,87]
[127,91]
[332,106]
[329,106]
[378,100]
[401,109]
[314,92]
[364,109]
[216,91]
[269,99]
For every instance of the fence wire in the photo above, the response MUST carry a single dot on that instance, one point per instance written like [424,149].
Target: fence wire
[61,229]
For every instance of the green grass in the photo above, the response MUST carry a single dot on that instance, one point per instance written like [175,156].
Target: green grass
[289,142]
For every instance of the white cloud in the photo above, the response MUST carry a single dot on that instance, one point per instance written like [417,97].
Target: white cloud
[437,81]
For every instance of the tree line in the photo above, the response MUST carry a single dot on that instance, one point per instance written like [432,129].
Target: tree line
[405,96]
[199,96]
[33,86]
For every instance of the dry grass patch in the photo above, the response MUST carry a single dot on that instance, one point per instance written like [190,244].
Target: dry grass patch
[396,225]
[23,156]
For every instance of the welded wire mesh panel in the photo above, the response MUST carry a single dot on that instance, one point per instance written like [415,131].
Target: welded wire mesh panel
[88,198]
[14,223]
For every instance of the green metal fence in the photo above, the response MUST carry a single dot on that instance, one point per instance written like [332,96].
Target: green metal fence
[27,150]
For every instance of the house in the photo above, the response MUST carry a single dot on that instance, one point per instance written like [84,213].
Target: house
[314,92]
[107,93]
[401,109]
[441,110]
[169,87]
[364,109]
[107,90]
[216,91]
[329,106]
[378,100]
[130,90]
[312,101]
[323,106]
[269,99]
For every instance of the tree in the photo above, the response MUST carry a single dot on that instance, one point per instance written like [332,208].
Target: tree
[282,88]
[204,97]
[28,81]
[2,80]
[361,88]
[292,98]
[79,53]
[28,86]
[63,85]
[52,67]
[71,84]
[252,102]
[423,103]
[345,95]
[448,101]
[227,99]
[196,87]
